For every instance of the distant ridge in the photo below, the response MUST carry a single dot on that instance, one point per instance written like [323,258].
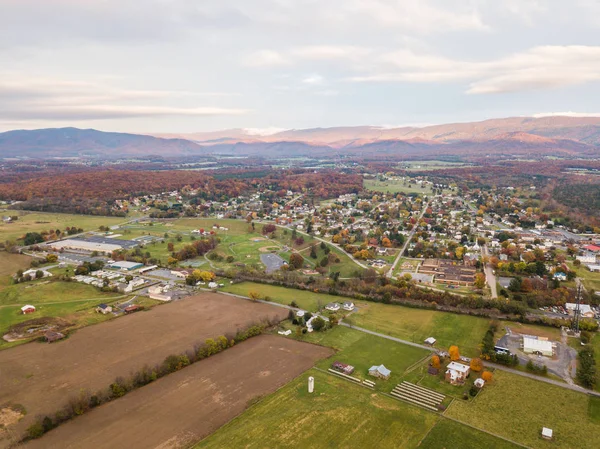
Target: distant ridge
[513,135]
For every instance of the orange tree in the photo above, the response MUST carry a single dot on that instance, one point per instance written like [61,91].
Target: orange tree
[454,352]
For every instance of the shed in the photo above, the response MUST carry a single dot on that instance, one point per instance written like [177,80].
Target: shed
[27,309]
[547,433]
[430,341]
[479,383]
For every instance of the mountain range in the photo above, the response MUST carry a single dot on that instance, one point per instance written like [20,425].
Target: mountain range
[555,135]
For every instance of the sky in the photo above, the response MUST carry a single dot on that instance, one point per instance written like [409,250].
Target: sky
[176,66]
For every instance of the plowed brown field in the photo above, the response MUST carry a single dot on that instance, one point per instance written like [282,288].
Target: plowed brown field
[190,404]
[41,376]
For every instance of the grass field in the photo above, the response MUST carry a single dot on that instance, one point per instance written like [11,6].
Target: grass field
[337,414]
[431,165]
[244,246]
[70,300]
[10,264]
[517,408]
[363,350]
[306,300]
[416,325]
[40,221]
[395,187]
[450,434]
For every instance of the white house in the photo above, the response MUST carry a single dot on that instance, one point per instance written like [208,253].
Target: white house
[348,305]
[333,306]
[456,373]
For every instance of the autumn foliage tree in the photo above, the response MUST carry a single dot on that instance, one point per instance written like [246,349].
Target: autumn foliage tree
[435,361]
[454,353]
[487,376]
[476,364]
[296,260]
[480,280]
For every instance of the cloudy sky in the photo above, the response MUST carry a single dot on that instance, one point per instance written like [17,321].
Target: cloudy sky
[197,65]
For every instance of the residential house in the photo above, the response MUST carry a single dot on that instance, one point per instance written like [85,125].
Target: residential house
[457,373]
[104,309]
[333,306]
[348,305]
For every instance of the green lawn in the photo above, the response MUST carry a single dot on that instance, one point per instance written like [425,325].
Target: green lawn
[363,350]
[337,414]
[517,408]
[450,434]
[40,221]
[417,324]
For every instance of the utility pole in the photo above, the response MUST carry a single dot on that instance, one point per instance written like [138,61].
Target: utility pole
[575,324]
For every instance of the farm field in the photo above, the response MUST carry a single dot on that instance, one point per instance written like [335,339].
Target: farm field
[337,414]
[416,325]
[431,165]
[41,221]
[41,377]
[517,408]
[10,264]
[398,186]
[447,434]
[166,413]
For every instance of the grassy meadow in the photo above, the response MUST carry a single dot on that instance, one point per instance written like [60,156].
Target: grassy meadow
[337,414]
[42,221]
[517,408]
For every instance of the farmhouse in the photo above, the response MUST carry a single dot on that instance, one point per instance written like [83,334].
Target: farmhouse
[380,371]
[333,306]
[348,305]
[27,309]
[456,373]
[533,345]
[104,309]
[33,273]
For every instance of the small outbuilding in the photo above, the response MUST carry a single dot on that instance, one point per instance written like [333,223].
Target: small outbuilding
[479,383]
[27,309]
[348,305]
[380,371]
[430,341]
[547,433]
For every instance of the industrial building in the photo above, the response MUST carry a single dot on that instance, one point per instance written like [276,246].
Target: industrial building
[90,244]
[532,345]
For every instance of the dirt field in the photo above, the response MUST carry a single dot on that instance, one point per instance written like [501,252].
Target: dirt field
[188,405]
[41,376]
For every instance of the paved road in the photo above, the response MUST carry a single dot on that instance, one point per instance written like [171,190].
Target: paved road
[390,273]
[489,273]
